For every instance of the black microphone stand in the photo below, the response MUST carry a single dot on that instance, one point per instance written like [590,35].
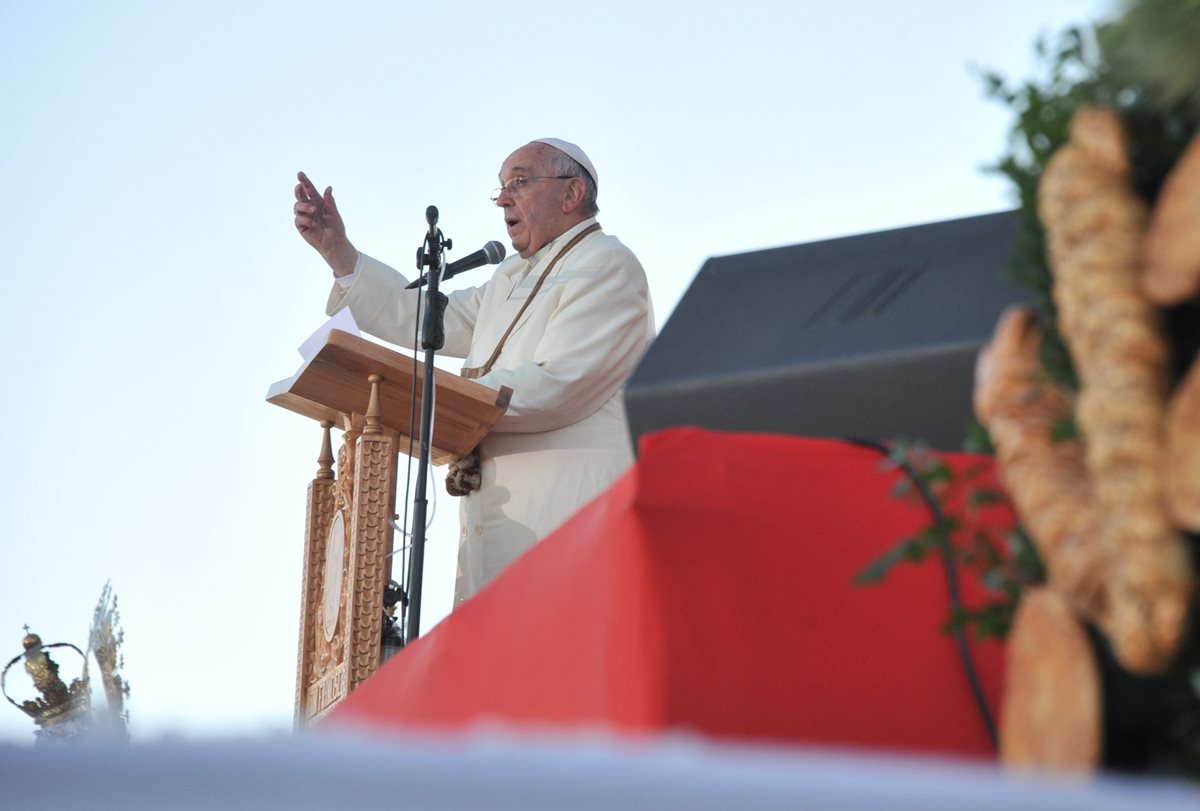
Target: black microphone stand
[433,337]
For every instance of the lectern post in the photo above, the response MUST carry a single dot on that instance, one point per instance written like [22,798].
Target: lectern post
[367,389]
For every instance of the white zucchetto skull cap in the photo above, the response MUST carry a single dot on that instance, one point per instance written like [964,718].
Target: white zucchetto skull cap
[568,148]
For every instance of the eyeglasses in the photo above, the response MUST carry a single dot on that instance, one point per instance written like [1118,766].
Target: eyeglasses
[517,185]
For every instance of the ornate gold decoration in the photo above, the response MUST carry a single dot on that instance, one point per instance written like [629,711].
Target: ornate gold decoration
[62,710]
[65,711]
[104,644]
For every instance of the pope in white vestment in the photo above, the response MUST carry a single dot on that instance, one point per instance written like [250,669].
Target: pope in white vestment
[564,437]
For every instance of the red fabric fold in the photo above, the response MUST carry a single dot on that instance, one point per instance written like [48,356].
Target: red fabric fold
[710,589]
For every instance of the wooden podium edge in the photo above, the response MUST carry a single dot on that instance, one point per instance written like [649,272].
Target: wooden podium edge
[485,404]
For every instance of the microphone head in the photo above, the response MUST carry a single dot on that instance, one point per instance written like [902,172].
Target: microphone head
[494,252]
[431,215]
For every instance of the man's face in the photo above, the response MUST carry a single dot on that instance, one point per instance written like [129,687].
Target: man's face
[534,216]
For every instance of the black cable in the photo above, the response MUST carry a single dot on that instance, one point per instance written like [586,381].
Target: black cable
[952,585]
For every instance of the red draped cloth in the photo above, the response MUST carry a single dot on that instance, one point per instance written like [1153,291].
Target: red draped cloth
[710,589]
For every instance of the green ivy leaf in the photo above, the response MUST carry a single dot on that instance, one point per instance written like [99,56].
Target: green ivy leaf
[1064,429]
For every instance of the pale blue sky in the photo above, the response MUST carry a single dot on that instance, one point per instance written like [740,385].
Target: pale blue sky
[157,286]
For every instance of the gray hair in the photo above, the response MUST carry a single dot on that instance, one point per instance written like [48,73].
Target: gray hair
[563,164]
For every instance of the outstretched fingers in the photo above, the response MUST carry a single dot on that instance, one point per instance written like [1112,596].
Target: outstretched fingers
[309,203]
[306,192]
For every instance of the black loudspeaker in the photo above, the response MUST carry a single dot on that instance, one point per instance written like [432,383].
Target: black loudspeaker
[863,337]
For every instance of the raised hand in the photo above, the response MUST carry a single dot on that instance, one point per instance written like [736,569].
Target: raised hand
[318,221]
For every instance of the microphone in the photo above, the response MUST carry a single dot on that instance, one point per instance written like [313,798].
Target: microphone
[489,254]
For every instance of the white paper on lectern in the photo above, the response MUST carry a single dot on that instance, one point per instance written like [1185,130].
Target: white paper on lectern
[342,320]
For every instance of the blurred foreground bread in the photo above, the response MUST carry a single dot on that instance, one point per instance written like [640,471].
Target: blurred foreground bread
[1182,469]
[1172,247]
[1046,478]
[1094,224]
[1052,701]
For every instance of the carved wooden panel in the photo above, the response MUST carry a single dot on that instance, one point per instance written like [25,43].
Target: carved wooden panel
[347,565]
[318,516]
[320,508]
[370,548]
[323,673]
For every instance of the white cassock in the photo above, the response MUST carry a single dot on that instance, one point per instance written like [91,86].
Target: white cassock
[564,438]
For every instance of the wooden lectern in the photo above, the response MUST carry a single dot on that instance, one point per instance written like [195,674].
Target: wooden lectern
[368,390]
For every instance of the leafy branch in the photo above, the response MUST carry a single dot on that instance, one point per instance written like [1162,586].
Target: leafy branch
[1002,560]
